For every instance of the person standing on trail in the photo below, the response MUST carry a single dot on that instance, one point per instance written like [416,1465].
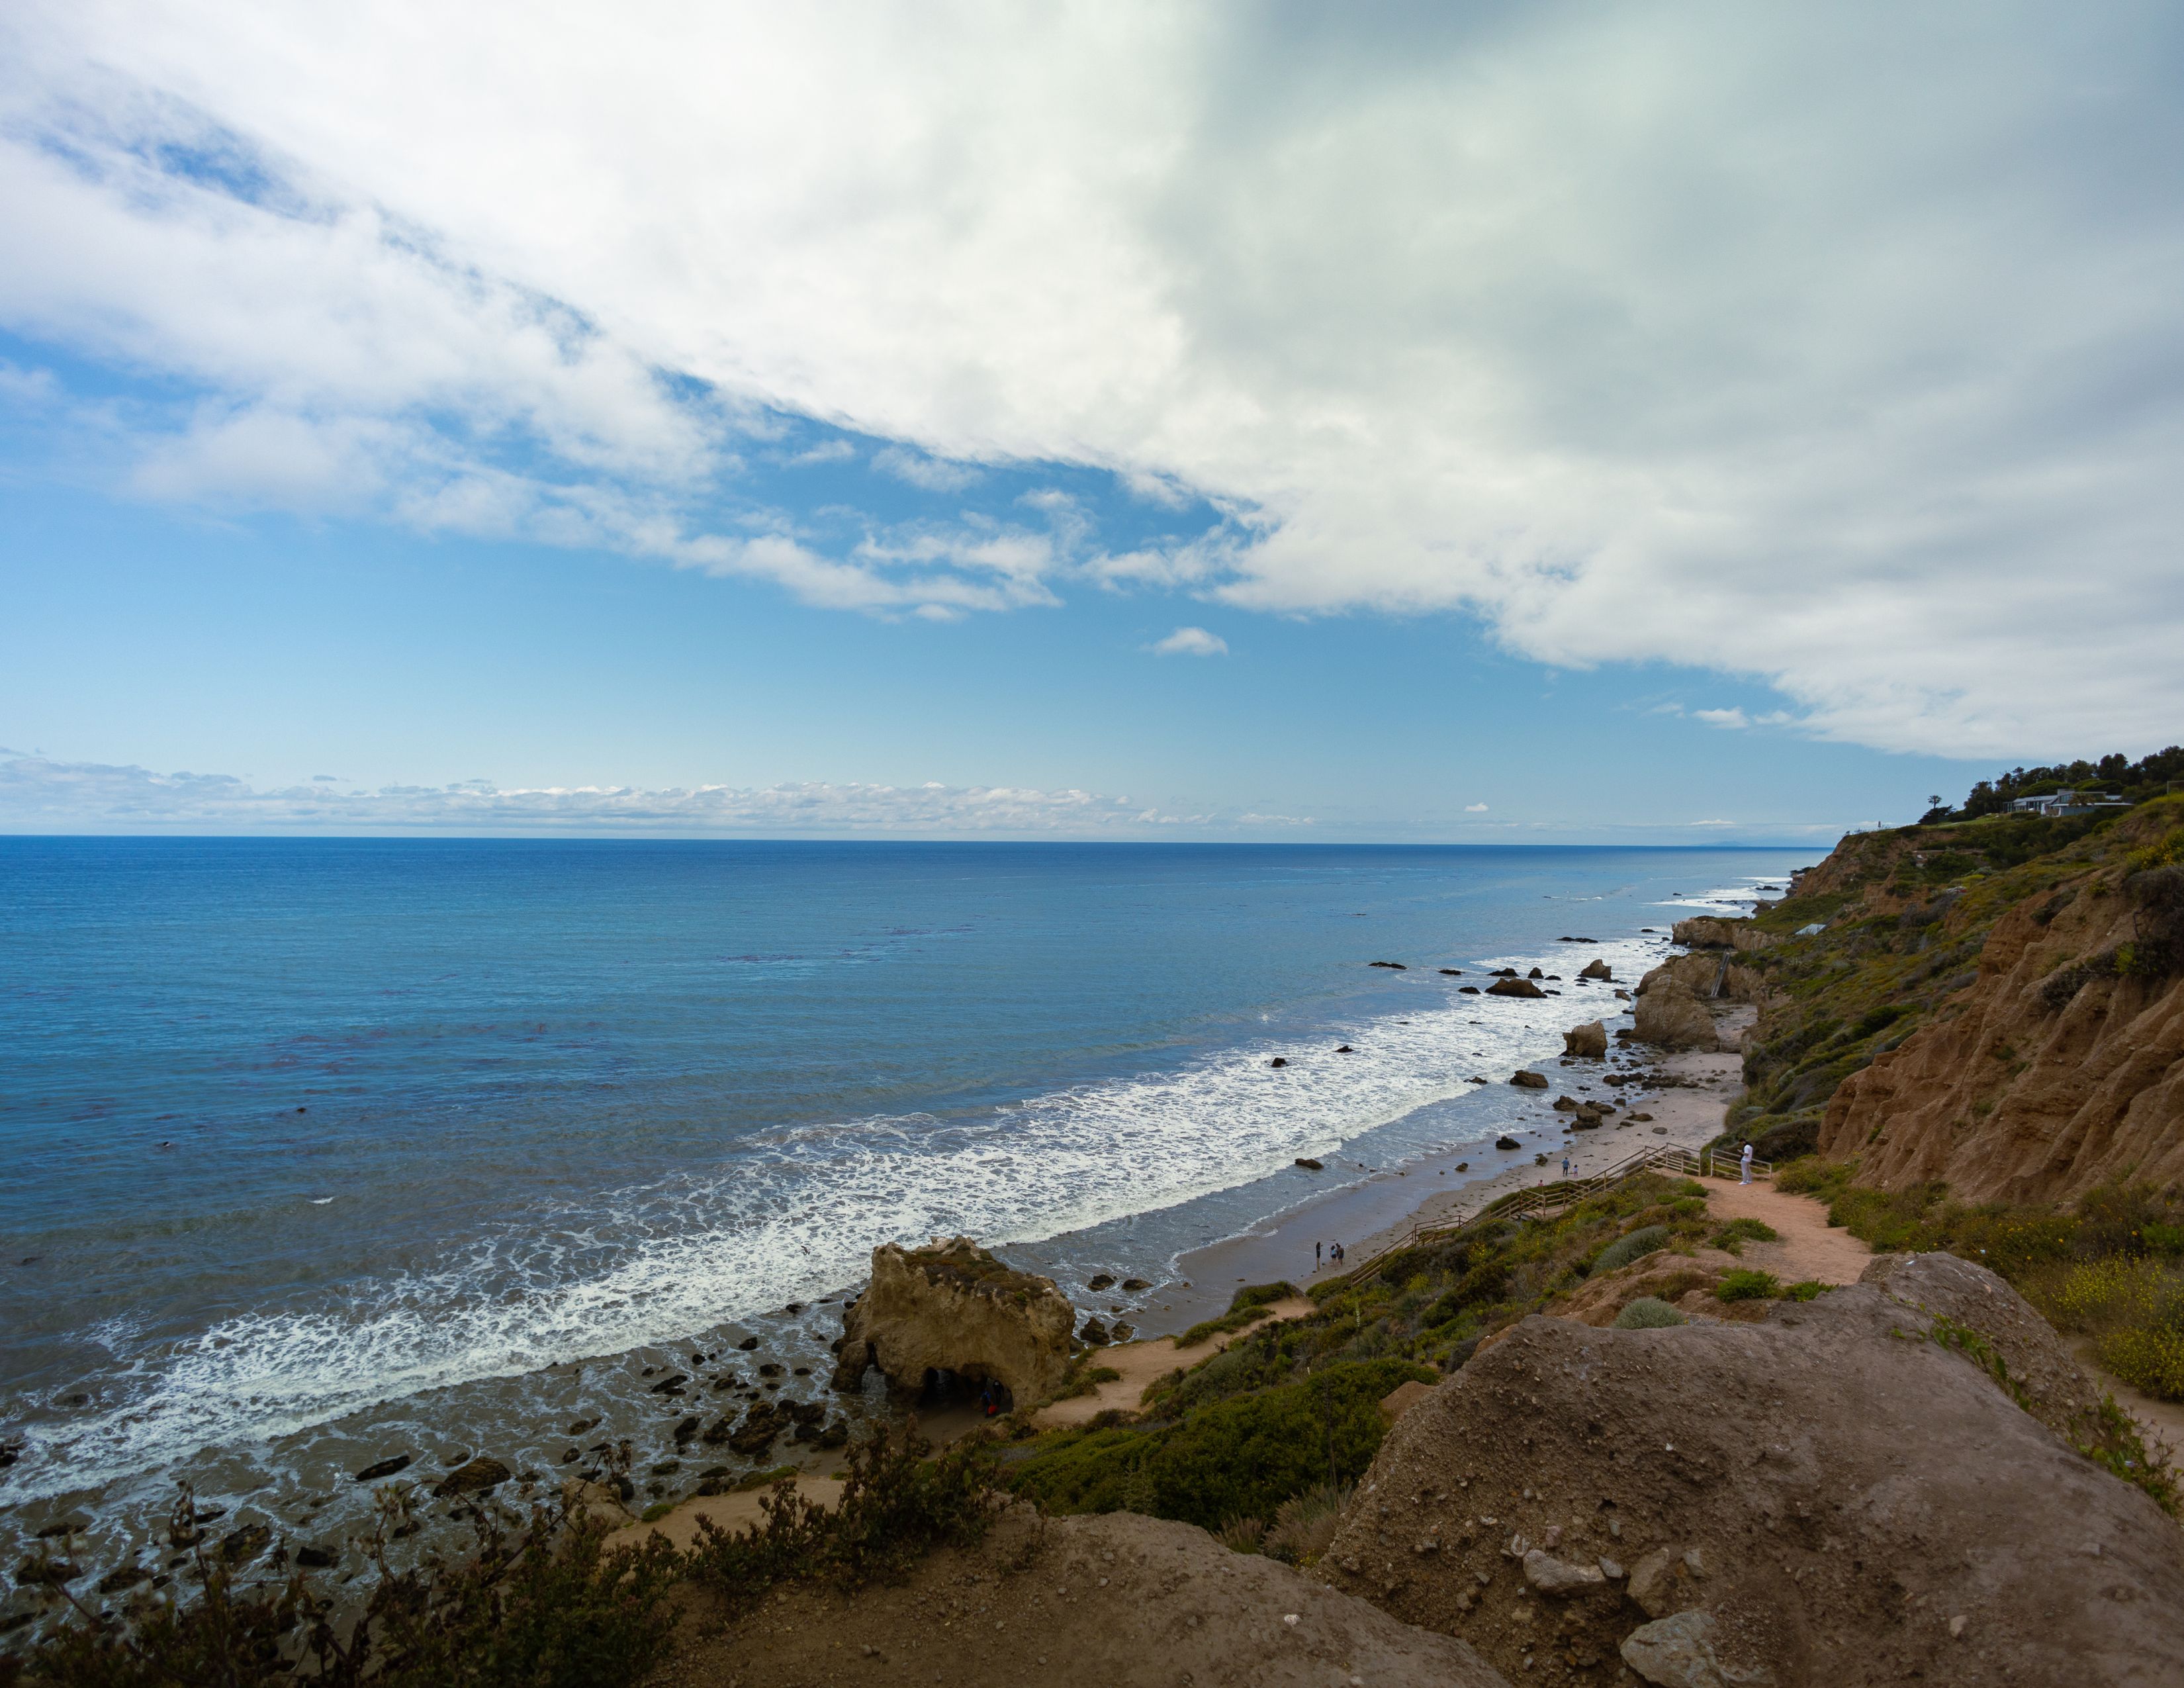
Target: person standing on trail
[1745,1163]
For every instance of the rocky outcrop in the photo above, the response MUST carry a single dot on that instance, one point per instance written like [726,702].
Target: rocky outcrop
[1709,931]
[1525,1079]
[1667,1015]
[1586,1042]
[953,1307]
[1596,969]
[1712,975]
[1113,1601]
[1514,987]
[1834,1495]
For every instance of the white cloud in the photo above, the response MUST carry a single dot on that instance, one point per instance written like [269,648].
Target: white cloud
[1190,642]
[40,795]
[921,471]
[1474,808]
[1722,718]
[1709,337]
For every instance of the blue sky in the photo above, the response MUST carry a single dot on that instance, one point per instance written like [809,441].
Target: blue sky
[1397,430]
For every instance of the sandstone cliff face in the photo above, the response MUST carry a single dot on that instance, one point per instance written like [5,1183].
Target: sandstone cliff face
[1706,932]
[955,1308]
[2013,1097]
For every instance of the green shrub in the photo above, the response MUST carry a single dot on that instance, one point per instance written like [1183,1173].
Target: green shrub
[1809,1289]
[1305,1525]
[1745,1285]
[1245,1307]
[1634,1246]
[896,1504]
[1733,1236]
[1238,1458]
[1647,1313]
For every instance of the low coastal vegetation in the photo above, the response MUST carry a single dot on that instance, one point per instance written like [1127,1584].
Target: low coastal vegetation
[2110,1268]
[544,1601]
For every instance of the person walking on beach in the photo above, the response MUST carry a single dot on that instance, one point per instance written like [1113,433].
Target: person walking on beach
[1565,1166]
[1744,1161]
[1315,1256]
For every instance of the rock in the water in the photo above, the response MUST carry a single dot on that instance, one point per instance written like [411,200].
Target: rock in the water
[1527,1080]
[954,1307]
[122,1576]
[1587,1042]
[1535,974]
[1279,1061]
[1596,969]
[1094,1333]
[473,1477]
[317,1558]
[761,1425]
[1396,965]
[1309,1164]
[1566,1105]
[747,1344]
[240,1546]
[1101,1280]
[1344,1049]
[1123,1333]
[1514,987]
[671,1385]
[384,1468]
[1132,1285]
[1507,1143]
[1466,990]
[1453,972]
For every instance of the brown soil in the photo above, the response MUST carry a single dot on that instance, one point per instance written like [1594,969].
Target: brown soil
[1118,1602]
[1811,1250]
[1848,1488]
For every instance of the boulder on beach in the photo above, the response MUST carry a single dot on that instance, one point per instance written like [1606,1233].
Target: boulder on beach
[1514,987]
[953,1307]
[1669,1016]
[1507,1142]
[1524,1079]
[1587,1042]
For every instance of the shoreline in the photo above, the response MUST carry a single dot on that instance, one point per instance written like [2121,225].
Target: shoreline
[1367,1216]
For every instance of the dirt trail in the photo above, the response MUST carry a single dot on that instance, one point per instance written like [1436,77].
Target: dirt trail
[1811,1250]
[729,1511]
[1141,1363]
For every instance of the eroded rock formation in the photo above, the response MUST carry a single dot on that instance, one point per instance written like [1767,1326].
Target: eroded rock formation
[1836,1495]
[953,1307]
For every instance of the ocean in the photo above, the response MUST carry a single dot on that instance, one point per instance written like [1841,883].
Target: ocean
[321,1151]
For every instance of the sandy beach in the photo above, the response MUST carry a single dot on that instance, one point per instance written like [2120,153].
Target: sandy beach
[1369,1214]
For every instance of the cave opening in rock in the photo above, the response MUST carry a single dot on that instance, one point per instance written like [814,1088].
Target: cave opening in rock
[969,1388]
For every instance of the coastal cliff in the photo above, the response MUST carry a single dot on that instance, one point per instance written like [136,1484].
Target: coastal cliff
[1998,1007]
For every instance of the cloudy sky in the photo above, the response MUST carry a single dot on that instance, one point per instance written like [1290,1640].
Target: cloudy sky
[1496,422]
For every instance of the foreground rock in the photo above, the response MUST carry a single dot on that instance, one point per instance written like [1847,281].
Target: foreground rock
[1114,1601]
[1830,1496]
[954,1307]
[1587,1042]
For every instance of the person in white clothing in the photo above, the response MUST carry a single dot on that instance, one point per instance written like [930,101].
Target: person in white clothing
[1746,1161]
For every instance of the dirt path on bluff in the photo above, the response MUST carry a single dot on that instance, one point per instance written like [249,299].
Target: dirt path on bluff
[1810,1251]
[1141,1363]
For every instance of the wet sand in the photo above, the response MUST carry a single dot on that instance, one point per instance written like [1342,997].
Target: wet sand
[1365,1216]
